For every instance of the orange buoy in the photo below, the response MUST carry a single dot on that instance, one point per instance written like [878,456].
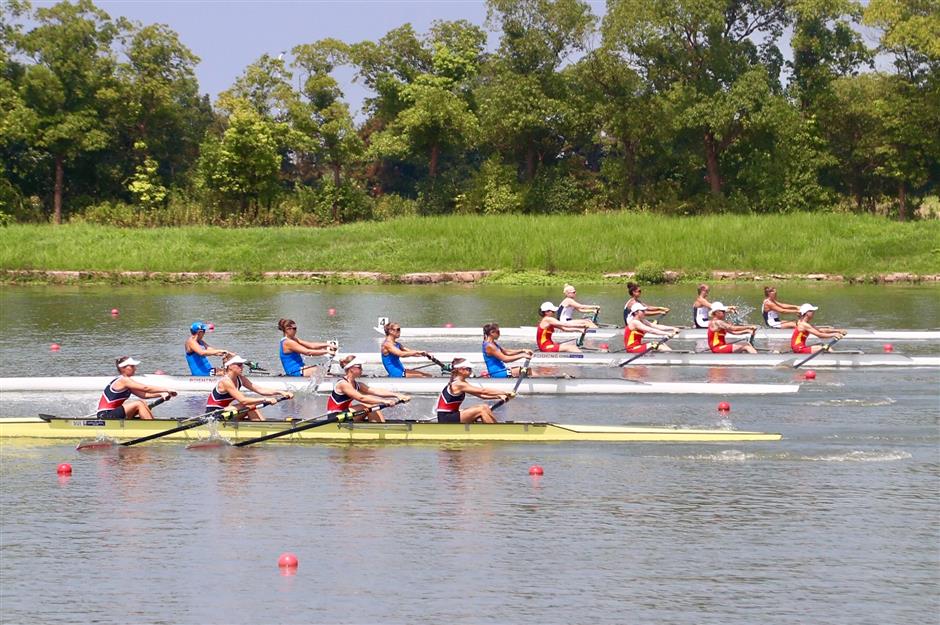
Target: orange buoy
[724,407]
[810,375]
[55,347]
[287,561]
[888,347]
[64,469]
[536,470]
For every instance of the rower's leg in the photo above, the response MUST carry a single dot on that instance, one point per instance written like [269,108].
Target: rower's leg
[480,412]
[415,373]
[137,408]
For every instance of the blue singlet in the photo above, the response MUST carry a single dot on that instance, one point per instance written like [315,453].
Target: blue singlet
[198,364]
[393,365]
[494,366]
[293,362]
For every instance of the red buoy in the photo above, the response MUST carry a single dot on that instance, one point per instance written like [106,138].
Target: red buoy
[331,312]
[536,470]
[810,375]
[55,347]
[287,561]
[724,406]
[115,312]
[211,327]
[888,347]
[64,469]
[159,372]
[448,325]
[605,347]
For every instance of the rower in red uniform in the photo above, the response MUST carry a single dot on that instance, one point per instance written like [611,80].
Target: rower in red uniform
[348,389]
[804,327]
[113,403]
[547,326]
[228,390]
[638,327]
[718,327]
[452,396]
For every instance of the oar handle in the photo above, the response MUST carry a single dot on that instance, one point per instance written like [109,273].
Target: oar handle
[826,348]
[652,348]
[315,422]
[523,372]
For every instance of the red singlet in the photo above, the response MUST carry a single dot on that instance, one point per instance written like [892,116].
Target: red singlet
[798,342]
[716,341]
[543,336]
[633,342]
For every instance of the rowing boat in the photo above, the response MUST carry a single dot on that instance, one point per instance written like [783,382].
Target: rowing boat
[392,431]
[697,359]
[412,386]
[527,333]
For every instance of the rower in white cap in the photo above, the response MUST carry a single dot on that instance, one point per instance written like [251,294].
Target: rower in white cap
[228,390]
[804,327]
[547,326]
[718,327]
[638,327]
[453,394]
[113,403]
[348,389]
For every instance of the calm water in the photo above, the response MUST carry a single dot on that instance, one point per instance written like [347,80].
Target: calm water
[838,523]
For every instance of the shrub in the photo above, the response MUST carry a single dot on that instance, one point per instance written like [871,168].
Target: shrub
[392,205]
[650,272]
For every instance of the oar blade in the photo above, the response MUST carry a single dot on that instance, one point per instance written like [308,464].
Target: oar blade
[96,444]
[210,443]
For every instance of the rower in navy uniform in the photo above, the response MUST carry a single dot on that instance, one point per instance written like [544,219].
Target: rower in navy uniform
[452,396]
[198,351]
[702,308]
[293,349]
[635,291]
[229,388]
[495,356]
[349,389]
[569,305]
[114,403]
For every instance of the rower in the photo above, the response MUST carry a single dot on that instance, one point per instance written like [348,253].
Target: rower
[718,328]
[453,394]
[293,349]
[638,327]
[113,403]
[771,309]
[198,351]
[548,324]
[393,351]
[568,305]
[701,309]
[495,356]
[229,389]
[348,389]
[804,327]
[650,311]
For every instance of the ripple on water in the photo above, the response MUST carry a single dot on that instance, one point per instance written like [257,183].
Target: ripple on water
[855,403]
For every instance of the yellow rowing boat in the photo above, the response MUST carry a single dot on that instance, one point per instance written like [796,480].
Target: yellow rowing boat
[392,431]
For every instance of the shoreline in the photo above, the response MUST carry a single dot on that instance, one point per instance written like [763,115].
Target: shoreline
[57,277]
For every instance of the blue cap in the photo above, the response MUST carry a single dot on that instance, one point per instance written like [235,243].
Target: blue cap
[197,326]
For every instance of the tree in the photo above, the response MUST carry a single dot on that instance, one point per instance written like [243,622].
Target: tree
[71,89]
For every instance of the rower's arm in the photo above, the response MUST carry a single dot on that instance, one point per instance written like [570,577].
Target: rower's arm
[197,348]
[266,392]
[479,391]
[402,352]
[146,391]
[373,396]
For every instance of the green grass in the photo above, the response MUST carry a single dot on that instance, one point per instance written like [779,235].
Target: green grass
[521,246]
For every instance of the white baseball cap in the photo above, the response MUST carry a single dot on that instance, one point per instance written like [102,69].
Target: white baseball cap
[637,307]
[234,360]
[128,362]
[355,362]
[466,364]
[718,307]
[547,306]
[805,308]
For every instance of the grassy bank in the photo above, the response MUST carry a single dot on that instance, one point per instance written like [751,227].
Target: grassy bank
[581,245]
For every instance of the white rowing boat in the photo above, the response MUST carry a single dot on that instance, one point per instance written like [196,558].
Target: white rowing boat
[698,359]
[413,386]
[527,333]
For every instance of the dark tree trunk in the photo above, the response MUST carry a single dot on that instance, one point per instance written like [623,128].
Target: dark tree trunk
[902,201]
[530,163]
[57,190]
[711,163]
[435,155]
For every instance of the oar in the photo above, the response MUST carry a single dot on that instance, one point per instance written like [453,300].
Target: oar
[444,368]
[522,375]
[825,348]
[652,348]
[315,422]
[580,342]
[152,404]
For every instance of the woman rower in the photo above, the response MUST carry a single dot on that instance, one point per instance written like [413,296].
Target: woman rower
[771,309]
[804,327]
[701,309]
[348,389]
[113,403]
[495,356]
[292,350]
[229,389]
[718,328]
[650,311]
[198,351]
[638,327]
[393,351]
[547,326]
[452,396]
[568,305]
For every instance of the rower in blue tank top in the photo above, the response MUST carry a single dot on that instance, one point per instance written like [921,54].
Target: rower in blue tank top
[495,356]
[393,351]
[293,349]
[198,351]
